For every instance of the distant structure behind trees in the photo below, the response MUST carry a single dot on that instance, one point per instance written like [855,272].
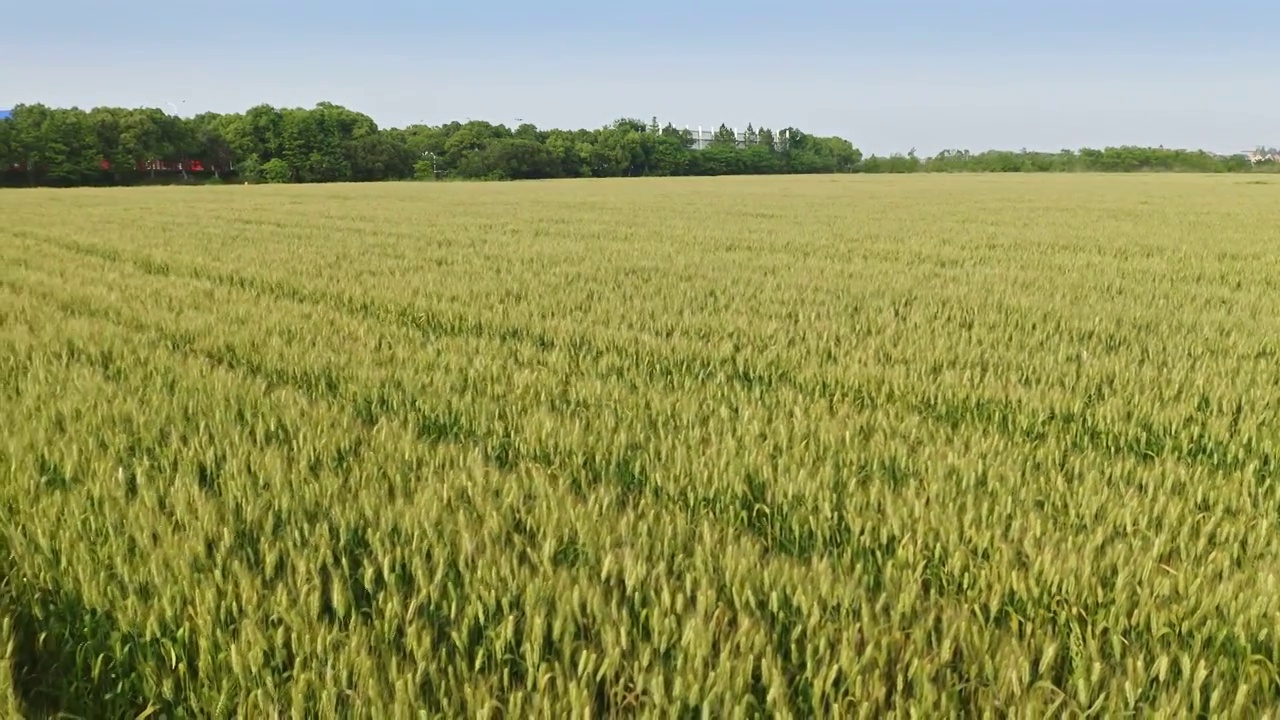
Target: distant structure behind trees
[45,146]
[1262,155]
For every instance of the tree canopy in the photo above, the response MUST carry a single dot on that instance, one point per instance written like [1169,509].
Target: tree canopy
[40,145]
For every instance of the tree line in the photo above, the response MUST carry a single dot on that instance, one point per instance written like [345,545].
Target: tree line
[1111,159]
[46,146]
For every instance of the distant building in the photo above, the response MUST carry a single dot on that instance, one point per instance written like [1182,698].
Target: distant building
[703,137]
[1262,155]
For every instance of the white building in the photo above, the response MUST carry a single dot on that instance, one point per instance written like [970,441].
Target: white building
[1262,155]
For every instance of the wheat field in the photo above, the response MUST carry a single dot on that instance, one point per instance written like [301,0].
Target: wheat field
[791,447]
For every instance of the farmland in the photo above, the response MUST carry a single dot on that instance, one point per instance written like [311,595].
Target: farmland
[791,446]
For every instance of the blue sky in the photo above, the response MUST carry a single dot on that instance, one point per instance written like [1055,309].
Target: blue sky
[890,76]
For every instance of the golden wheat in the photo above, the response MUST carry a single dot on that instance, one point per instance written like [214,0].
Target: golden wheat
[804,447]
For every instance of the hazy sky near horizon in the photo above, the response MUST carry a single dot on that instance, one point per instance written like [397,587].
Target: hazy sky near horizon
[888,75]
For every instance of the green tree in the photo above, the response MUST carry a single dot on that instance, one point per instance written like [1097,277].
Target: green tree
[761,159]
[299,141]
[669,154]
[566,154]
[142,136]
[177,141]
[258,134]
[837,153]
[724,137]
[719,158]
[8,157]
[380,156]
[529,132]
[210,142]
[518,159]
[108,126]
[57,146]
[766,137]
[276,171]
[466,142]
